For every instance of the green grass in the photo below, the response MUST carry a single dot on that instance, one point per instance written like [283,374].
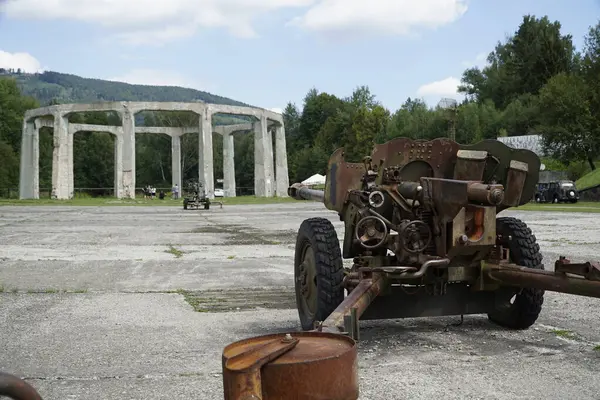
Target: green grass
[597,348]
[176,252]
[563,333]
[585,207]
[111,201]
[588,180]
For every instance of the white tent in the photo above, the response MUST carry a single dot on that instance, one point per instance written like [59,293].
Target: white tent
[316,179]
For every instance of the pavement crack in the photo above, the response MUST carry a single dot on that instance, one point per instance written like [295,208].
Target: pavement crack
[121,377]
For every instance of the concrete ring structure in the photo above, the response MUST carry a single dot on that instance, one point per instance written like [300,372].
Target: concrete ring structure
[56,117]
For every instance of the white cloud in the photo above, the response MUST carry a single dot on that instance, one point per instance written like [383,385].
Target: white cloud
[398,17]
[25,61]
[445,87]
[154,21]
[479,61]
[162,21]
[156,78]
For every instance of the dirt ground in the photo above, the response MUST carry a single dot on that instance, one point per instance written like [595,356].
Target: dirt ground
[100,303]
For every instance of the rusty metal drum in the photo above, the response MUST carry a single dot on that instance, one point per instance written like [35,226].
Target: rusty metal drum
[16,388]
[294,365]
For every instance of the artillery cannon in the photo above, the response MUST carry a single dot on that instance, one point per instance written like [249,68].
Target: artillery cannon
[421,225]
[422,228]
[195,197]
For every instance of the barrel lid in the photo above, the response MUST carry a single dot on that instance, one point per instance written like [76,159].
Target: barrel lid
[311,346]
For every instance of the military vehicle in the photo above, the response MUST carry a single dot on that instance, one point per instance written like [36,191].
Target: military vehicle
[421,227]
[557,192]
[195,196]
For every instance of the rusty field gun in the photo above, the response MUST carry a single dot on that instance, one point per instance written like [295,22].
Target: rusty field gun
[422,228]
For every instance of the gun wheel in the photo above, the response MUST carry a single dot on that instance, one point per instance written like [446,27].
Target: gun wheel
[318,271]
[518,308]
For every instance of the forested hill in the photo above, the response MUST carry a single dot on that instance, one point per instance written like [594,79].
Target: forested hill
[49,87]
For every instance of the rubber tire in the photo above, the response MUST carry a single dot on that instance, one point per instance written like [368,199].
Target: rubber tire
[322,237]
[206,206]
[524,251]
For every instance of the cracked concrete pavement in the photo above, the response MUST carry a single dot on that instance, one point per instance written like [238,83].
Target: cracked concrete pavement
[90,308]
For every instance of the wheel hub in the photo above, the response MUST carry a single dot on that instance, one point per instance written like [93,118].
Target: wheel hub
[307,279]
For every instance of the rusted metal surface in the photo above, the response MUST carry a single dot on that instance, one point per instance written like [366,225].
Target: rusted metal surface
[523,277]
[301,192]
[589,270]
[486,194]
[359,298]
[16,388]
[342,177]
[515,182]
[470,165]
[498,165]
[408,159]
[296,365]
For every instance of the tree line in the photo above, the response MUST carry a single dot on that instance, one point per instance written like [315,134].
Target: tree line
[534,82]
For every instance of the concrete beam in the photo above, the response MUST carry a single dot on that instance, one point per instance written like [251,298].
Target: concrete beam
[229,129]
[238,110]
[190,129]
[115,130]
[170,131]
[44,122]
[118,106]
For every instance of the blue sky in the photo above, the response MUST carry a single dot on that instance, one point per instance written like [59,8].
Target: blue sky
[269,52]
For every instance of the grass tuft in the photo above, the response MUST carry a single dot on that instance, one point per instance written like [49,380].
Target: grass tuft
[176,252]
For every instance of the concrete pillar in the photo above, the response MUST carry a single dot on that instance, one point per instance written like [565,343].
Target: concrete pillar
[205,159]
[118,166]
[176,161]
[228,166]
[29,177]
[70,170]
[60,158]
[281,164]
[128,174]
[263,159]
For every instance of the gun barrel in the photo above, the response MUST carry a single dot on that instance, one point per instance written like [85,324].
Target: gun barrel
[512,275]
[300,192]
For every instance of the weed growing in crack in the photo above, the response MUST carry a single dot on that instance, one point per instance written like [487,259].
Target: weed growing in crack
[176,252]
[564,333]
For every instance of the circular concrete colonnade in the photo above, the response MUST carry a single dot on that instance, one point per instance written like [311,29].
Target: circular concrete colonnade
[265,168]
